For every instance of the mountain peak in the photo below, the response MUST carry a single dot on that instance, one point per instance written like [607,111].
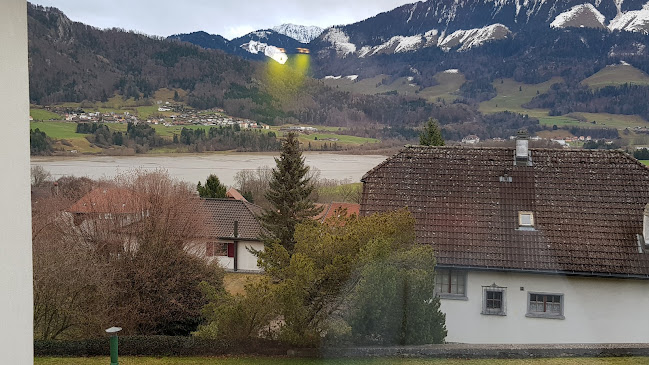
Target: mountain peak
[302,33]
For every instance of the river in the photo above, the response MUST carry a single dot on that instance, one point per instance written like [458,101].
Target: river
[196,167]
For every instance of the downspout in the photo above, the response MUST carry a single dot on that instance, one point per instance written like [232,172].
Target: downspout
[236,245]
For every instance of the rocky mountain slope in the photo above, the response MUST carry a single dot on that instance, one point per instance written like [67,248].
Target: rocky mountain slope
[300,33]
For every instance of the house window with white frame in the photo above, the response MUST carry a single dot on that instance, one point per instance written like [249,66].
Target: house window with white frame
[494,300]
[450,284]
[545,305]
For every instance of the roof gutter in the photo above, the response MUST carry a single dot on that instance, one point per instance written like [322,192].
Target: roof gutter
[549,272]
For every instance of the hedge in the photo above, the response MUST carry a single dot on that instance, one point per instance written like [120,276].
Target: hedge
[157,346]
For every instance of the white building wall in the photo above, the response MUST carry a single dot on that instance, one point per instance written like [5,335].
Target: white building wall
[246,261]
[596,310]
[16,344]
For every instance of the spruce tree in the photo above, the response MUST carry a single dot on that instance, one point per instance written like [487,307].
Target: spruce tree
[431,136]
[289,195]
[212,189]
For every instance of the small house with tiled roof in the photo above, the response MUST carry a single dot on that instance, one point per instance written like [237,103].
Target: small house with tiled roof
[532,245]
[232,230]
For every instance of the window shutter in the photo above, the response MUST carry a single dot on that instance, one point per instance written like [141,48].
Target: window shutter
[230,249]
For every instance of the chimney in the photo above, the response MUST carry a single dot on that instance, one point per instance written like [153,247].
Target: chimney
[522,149]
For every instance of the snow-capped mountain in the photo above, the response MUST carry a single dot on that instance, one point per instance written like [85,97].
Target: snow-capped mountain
[301,33]
[460,25]
[255,45]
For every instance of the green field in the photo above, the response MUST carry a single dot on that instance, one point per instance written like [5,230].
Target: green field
[512,95]
[373,85]
[646,162]
[58,130]
[617,75]
[299,361]
[446,89]
[42,114]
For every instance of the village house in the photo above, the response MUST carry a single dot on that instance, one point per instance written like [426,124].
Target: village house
[532,245]
[471,139]
[232,231]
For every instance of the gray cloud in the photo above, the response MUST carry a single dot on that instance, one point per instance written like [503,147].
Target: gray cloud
[229,18]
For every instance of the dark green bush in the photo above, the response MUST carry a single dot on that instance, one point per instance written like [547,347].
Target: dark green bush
[158,346]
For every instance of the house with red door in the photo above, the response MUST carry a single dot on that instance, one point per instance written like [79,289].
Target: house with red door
[232,233]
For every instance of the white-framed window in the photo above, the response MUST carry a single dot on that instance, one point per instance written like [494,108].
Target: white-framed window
[494,300]
[450,284]
[526,219]
[545,305]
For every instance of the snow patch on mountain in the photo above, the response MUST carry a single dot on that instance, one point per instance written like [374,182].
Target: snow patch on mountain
[452,71]
[632,21]
[302,33]
[580,16]
[331,77]
[352,77]
[261,34]
[269,51]
[340,41]
[470,38]
[398,44]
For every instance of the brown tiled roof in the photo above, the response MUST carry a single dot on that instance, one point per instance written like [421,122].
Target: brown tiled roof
[108,200]
[235,194]
[587,207]
[335,208]
[223,212]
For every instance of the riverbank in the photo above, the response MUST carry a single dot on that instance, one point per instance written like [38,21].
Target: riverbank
[197,166]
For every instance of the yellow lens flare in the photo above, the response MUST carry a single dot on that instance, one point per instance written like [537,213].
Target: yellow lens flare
[284,80]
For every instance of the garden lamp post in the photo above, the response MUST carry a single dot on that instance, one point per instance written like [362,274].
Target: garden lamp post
[113,344]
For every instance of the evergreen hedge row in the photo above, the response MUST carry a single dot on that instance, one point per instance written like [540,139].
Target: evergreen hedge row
[157,346]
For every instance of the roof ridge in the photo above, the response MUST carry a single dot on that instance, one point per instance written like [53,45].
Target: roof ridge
[247,205]
[635,160]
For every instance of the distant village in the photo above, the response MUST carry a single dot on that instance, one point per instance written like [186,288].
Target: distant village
[174,115]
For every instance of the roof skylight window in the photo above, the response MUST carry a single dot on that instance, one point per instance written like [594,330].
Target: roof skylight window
[526,219]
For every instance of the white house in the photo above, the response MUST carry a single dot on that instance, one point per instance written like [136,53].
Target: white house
[471,139]
[533,245]
[232,230]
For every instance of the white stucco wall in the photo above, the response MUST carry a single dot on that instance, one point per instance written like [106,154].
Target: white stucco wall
[16,345]
[245,260]
[596,310]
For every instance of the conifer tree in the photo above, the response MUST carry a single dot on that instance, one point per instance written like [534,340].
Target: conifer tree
[431,136]
[289,195]
[212,189]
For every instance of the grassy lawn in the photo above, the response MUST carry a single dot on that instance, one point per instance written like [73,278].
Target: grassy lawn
[42,114]
[617,75]
[235,282]
[295,361]
[646,162]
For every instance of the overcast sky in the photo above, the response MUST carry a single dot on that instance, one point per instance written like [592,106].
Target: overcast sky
[229,18]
